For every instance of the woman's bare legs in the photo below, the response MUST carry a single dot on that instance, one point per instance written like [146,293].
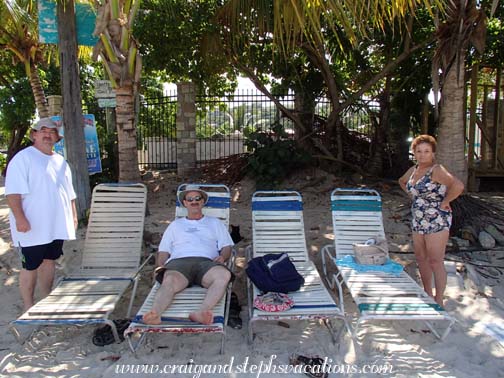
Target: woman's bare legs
[436,247]
[419,245]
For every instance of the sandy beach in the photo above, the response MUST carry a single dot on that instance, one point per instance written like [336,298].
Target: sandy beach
[393,349]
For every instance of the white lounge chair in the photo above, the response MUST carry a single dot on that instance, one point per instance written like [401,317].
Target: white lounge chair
[110,263]
[175,317]
[379,295]
[278,226]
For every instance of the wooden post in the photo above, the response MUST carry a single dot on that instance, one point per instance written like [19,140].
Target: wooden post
[471,180]
[496,120]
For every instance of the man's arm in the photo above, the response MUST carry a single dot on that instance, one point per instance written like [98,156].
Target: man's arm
[225,254]
[74,212]
[161,258]
[16,206]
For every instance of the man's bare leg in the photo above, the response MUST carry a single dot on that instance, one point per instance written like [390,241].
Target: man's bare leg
[216,281]
[173,282]
[27,281]
[45,275]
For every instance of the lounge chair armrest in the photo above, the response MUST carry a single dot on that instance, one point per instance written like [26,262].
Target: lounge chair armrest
[328,258]
[140,268]
[231,261]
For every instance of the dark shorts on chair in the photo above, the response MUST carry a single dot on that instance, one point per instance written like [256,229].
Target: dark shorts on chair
[32,257]
[193,268]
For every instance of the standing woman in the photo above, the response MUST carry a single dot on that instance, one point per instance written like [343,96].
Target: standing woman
[431,188]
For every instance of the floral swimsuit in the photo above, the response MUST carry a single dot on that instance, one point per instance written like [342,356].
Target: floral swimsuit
[428,217]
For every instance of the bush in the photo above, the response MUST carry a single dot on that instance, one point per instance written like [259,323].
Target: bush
[274,156]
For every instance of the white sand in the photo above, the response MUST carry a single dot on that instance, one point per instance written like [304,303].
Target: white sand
[404,347]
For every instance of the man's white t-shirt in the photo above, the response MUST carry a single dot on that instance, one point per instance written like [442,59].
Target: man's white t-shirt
[45,184]
[195,238]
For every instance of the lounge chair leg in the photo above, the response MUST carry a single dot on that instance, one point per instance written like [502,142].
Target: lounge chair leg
[250,334]
[16,334]
[223,340]
[20,338]
[335,336]
[134,346]
[448,329]
[133,293]
[114,330]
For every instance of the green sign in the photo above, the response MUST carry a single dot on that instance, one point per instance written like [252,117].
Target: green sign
[85,20]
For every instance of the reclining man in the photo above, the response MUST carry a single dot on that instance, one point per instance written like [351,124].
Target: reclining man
[192,251]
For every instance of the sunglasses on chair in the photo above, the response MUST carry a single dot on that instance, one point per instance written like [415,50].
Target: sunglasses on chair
[191,199]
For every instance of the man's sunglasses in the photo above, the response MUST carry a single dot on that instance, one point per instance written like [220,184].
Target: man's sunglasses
[191,199]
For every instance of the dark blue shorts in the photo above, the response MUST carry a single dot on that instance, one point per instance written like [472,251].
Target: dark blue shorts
[32,257]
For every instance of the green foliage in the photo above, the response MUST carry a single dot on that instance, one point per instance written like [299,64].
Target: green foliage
[274,156]
[172,33]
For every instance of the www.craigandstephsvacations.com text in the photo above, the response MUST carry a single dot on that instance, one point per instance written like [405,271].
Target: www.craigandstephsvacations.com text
[257,369]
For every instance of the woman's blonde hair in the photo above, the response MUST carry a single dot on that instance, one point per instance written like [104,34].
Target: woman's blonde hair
[424,139]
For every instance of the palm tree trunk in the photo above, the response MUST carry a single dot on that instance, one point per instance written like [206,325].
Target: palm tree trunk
[126,134]
[451,135]
[38,92]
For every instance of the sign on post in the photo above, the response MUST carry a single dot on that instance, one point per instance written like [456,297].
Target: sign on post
[91,139]
[103,89]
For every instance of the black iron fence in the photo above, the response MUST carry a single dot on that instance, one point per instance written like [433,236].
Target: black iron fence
[222,124]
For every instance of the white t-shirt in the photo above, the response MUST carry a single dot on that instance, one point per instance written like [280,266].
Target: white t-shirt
[45,184]
[195,238]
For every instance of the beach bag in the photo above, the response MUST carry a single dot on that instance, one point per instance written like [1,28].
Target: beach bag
[373,251]
[274,272]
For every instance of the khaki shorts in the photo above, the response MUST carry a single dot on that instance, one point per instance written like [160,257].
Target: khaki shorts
[193,268]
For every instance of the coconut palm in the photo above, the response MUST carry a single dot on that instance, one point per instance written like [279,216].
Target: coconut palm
[19,36]
[118,52]
[464,25]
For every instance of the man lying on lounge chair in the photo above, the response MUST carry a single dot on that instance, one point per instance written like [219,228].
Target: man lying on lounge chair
[193,250]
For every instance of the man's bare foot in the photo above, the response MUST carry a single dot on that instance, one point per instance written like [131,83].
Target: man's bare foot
[439,301]
[151,317]
[203,317]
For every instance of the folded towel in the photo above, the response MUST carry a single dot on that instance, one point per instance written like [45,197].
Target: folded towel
[389,266]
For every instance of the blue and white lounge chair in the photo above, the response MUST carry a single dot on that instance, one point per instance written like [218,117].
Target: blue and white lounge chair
[382,293]
[175,317]
[110,263]
[278,226]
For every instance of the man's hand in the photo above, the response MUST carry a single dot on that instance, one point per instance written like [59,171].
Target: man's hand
[155,272]
[220,259]
[22,224]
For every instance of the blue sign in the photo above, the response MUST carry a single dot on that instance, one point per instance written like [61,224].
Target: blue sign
[91,138]
[85,20]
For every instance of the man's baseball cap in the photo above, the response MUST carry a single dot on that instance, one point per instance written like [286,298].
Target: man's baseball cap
[47,123]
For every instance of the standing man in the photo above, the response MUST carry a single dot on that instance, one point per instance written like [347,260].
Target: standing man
[40,194]
[192,251]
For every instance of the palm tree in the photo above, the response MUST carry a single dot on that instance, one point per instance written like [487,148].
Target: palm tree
[118,52]
[464,25]
[19,36]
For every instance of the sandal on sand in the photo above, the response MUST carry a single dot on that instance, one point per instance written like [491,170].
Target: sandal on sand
[104,336]
[313,365]
[234,320]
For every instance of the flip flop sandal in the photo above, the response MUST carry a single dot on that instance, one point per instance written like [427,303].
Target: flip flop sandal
[314,365]
[273,302]
[234,320]
[104,336]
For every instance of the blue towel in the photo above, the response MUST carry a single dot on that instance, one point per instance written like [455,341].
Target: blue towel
[389,266]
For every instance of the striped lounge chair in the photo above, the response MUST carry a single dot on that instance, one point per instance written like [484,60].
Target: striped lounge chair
[175,317]
[110,263]
[278,226]
[379,295]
